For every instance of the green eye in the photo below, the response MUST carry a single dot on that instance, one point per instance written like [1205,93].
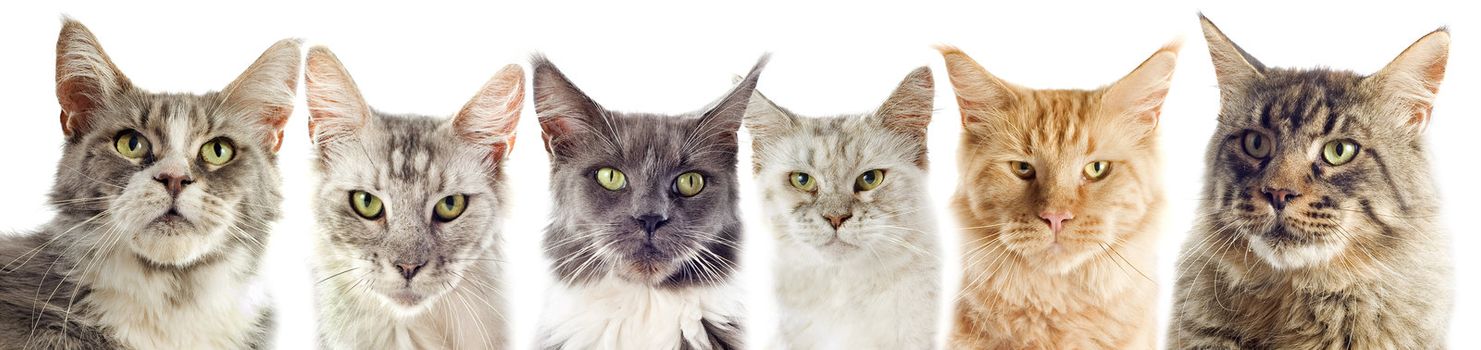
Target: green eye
[1023,169]
[802,181]
[689,184]
[870,180]
[1097,169]
[450,207]
[611,179]
[218,151]
[366,204]
[1256,145]
[131,144]
[1340,152]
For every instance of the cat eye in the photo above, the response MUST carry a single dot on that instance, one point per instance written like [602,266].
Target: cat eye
[689,184]
[366,204]
[869,180]
[218,151]
[450,207]
[802,181]
[131,144]
[1256,144]
[1097,170]
[1023,169]
[1340,152]
[611,179]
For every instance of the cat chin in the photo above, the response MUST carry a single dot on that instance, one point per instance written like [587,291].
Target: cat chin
[1283,255]
[1058,258]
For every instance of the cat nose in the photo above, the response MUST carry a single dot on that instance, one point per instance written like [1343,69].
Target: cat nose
[409,269]
[1056,219]
[651,222]
[173,183]
[1279,197]
[837,220]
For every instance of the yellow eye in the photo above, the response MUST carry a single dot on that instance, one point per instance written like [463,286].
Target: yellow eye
[689,184]
[611,179]
[131,144]
[218,151]
[1097,169]
[1023,169]
[1340,152]
[366,204]
[1256,145]
[870,180]
[802,181]
[450,207]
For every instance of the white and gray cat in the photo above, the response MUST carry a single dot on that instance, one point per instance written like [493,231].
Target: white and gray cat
[164,202]
[409,210]
[856,264]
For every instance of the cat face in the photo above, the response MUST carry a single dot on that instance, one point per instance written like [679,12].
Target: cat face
[1307,163]
[851,187]
[648,198]
[174,178]
[1058,176]
[408,203]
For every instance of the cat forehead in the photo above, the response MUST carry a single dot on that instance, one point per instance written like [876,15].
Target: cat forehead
[837,140]
[408,152]
[164,113]
[1301,102]
[652,141]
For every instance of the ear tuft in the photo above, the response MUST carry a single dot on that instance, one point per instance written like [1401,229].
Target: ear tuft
[980,95]
[908,109]
[1235,68]
[336,109]
[1138,96]
[267,90]
[490,117]
[765,119]
[726,115]
[86,77]
[562,109]
[1411,80]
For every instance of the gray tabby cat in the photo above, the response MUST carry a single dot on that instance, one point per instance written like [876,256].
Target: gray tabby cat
[847,197]
[645,232]
[164,203]
[1318,224]
[409,210]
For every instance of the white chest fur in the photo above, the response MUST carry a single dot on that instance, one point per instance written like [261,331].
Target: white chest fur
[615,314]
[888,303]
[145,307]
[466,317]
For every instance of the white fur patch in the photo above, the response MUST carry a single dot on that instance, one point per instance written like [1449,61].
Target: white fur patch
[616,314]
[134,305]
[1288,258]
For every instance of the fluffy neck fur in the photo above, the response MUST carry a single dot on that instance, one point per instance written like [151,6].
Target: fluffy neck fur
[466,317]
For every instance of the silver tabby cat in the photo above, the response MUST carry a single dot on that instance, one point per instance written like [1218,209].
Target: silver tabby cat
[409,210]
[1317,228]
[163,201]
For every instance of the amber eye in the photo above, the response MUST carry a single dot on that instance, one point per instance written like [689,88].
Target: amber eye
[1024,170]
[1256,144]
[1097,170]
[131,144]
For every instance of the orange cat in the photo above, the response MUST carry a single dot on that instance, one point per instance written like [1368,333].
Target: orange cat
[1059,200]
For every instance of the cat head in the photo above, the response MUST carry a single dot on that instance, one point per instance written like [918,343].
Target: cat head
[648,198]
[851,187]
[1058,176]
[408,203]
[1306,163]
[175,178]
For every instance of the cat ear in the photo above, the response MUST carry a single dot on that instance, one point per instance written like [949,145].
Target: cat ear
[86,78]
[489,118]
[267,89]
[908,110]
[562,108]
[336,109]
[1138,96]
[724,117]
[981,96]
[1409,83]
[1234,67]
[764,118]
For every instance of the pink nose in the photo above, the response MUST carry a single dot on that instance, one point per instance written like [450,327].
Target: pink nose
[1056,219]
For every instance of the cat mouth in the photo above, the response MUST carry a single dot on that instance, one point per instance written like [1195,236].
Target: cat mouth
[405,297]
[173,215]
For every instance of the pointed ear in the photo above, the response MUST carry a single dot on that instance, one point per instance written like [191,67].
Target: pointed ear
[1409,83]
[562,108]
[336,109]
[908,110]
[1235,68]
[725,116]
[1137,98]
[86,78]
[489,118]
[266,91]
[981,96]
[765,119]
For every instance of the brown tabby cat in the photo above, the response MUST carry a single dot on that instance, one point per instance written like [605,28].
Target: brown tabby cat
[1060,198]
[1317,227]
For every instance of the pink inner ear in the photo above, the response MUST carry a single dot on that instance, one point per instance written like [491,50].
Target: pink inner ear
[75,106]
[553,128]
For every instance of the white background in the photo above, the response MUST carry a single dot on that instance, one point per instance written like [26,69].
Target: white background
[675,57]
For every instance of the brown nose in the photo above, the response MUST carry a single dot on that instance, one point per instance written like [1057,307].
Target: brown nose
[837,220]
[173,183]
[410,269]
[1279,197]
